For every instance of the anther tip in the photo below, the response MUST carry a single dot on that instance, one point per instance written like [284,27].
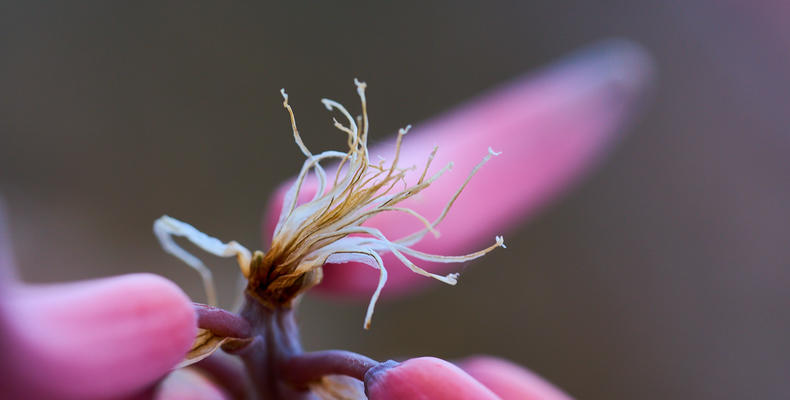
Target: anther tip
[493,153]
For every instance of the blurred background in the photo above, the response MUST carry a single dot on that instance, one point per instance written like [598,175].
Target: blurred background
[663,275]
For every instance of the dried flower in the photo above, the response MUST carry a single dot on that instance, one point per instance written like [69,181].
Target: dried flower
[118,337]
[329,228]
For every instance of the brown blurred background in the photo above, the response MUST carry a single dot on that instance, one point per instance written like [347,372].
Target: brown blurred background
[664,275]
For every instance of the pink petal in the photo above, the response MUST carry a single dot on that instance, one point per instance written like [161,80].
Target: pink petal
[93,339]
[188,384]
[551,127]
[510,381]
[425,378]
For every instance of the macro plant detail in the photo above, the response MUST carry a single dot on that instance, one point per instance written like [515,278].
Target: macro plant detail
[65,340]
[327,229]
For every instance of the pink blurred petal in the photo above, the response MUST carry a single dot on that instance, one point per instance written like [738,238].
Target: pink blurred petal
[425,378]
[188,384]
[550,126]
[510,381]
[92,339]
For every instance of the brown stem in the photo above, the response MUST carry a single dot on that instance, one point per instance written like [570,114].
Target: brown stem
[227,374]
[302,369]
[275,340]
[221,322]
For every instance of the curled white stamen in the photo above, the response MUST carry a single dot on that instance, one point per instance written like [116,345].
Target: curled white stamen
[166,227]
[319,229]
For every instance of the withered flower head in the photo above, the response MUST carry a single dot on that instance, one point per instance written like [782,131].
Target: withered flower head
[329,228]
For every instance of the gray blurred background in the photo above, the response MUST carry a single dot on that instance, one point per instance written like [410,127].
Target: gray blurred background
[664,275]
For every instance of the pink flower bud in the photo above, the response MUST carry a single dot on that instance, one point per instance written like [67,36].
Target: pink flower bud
[424,378]
[92,339]
[510,381]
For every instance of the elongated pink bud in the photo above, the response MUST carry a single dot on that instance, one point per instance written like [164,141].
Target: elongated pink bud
[510,381]
[550,127]
[424,378]
[91,339]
